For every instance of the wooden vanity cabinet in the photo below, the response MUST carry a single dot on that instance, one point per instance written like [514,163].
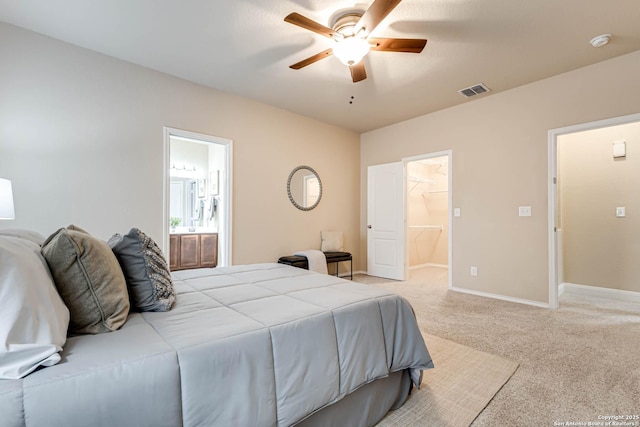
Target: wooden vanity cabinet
[209,250]
[193,250]
[174,249]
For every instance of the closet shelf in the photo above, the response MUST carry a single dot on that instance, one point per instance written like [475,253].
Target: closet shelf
[434,191]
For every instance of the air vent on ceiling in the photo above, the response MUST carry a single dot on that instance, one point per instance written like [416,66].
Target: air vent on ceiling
[474,90]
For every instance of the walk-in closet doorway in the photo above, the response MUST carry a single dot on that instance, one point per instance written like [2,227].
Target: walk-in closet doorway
[428,212]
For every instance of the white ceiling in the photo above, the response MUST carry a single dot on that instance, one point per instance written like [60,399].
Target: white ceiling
[245,47]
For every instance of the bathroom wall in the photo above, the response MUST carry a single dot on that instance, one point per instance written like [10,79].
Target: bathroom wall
[185,153]
[600,249]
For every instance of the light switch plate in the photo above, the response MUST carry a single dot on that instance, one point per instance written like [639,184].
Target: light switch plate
[456,211]
[621,212]
[619,149]
[524,211]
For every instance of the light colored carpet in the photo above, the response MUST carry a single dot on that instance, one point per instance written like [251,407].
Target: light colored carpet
[576,363]
[454,392]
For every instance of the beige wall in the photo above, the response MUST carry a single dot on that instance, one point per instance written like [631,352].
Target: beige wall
[499,162]
[600,249]
[81,137]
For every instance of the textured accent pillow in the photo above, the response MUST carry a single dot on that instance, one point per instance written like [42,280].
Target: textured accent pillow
[89,280]
[145,270]
[331,241]
[33,318]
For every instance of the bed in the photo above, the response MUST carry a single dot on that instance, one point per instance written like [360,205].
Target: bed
[253,345]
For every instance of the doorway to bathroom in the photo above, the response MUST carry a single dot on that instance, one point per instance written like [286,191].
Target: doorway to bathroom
[197,200]
[428,204]
[593,228]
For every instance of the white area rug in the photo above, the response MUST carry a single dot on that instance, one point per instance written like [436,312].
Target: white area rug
[453,393]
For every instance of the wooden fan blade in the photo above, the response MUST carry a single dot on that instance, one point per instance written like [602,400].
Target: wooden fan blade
[308,24]
[310,60]
[397,45]
[375,14]
[358,73]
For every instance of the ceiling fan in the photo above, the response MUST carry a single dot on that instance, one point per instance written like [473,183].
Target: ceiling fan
[350,34]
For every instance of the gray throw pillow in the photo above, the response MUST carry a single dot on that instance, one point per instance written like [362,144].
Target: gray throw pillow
[145,270]
[89,280]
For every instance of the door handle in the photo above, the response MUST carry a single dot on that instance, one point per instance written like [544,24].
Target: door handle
[369,226]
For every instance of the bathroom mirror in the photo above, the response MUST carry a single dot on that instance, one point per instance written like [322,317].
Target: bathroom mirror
[304,188]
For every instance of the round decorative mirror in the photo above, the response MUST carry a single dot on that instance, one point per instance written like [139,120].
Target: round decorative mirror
[304,188]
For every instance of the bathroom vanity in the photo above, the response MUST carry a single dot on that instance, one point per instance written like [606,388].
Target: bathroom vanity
[193,250]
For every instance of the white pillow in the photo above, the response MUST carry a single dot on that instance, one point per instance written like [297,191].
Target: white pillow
[31,235]
[33,318]
[331,241]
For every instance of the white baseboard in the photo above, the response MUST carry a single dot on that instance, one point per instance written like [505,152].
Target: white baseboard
[431,264]
[501,297]
[561,289]
[597,291]
[428,264]
[413,267]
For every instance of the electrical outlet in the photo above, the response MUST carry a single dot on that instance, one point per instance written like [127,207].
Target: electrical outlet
[524,211]
[474,270]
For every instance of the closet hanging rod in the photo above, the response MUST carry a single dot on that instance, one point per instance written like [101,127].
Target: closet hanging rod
[420,180]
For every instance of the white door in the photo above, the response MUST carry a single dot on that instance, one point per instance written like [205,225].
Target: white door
[385,221]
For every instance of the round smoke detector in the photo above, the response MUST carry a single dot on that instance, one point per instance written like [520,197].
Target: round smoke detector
[600,40]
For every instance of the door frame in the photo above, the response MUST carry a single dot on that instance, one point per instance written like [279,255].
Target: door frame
[225,232]
[552,177]
[449,155]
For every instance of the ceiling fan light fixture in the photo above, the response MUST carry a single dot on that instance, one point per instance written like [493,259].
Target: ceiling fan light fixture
[351,50]
[349,31]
